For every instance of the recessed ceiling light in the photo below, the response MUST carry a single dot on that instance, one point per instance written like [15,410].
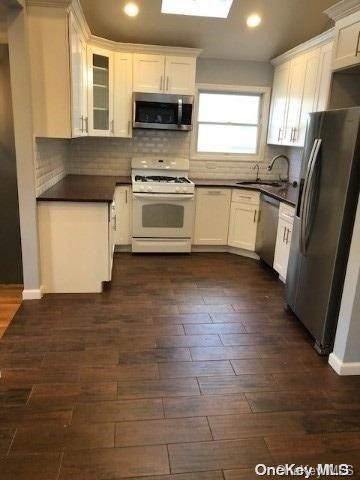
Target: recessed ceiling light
[253,20]
[131,9]
[197,8]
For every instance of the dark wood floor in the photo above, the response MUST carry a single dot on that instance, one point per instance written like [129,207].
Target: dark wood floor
[186,369]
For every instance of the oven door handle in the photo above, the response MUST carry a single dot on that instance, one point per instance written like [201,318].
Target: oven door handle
[160,196]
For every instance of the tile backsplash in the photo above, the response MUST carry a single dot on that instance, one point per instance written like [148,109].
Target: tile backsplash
[51,156]
[112,156]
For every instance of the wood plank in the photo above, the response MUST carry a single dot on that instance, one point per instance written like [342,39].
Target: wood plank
[195,369]
[23,467]
[157,432]
[158,388]
[115,462]
[118,411]
[205,405]
[192,457]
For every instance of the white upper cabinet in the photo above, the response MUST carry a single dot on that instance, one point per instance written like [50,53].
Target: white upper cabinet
[212,216]
[324,77]
[180,75]
[347,42]
[278,104]
[301,86]
[295,98]
[149,71]
[78,70]
[100,91]
[82,85]
[123,94]
[160,74]
[306,102]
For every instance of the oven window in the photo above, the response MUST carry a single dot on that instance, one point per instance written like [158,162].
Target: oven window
[162,215]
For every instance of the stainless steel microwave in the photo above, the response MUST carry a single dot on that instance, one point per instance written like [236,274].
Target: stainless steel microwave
[163,111]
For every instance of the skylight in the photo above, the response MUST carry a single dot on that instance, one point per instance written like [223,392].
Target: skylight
[197,8]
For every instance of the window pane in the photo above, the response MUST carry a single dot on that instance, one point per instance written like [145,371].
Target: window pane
[227,139]
[224,108]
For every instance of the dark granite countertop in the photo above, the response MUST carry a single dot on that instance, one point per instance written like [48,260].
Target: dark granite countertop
[84,188]
[96,188]
[286,193]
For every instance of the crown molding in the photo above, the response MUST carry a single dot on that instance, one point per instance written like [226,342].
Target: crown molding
[342,9]
[317,41]
[140,48]
[49,3]
[77,11]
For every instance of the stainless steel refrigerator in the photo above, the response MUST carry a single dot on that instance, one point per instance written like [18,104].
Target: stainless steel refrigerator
[329,191]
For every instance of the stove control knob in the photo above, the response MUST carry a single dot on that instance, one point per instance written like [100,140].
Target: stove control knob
[184,189]
[142,189]
[177,189]
[149,189]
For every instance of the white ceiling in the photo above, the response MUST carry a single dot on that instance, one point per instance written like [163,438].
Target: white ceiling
[286,23]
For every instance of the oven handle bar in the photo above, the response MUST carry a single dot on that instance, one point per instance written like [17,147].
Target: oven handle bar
[161,196]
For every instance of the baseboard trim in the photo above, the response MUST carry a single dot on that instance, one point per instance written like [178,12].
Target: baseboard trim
[32,294]
[224,249]
[344,368]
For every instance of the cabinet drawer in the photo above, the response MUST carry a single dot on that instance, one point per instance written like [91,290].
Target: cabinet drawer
[213,192]
[246,196]
[286,212]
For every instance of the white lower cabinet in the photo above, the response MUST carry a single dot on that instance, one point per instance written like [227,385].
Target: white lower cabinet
[244,215]
[283,239]
[76,245]
[123,209]
[212,216]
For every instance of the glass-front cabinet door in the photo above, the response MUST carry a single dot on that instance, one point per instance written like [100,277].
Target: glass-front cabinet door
[101,92]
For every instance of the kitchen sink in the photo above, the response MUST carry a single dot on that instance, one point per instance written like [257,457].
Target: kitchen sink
[269,183]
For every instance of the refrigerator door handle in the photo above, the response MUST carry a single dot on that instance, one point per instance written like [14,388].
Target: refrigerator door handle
[310,191]
[304,200]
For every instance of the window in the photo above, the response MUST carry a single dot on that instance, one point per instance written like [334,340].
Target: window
[228,123]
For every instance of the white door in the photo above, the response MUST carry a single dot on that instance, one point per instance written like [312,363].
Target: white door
[76,69]
[295,97]
[324,77]
[212,216]
[308,103]
[347,42]
[278,104]
[149,71]
[123,64]
[101,92]
[180,75]
[282,248]
[243,226]
[123,215]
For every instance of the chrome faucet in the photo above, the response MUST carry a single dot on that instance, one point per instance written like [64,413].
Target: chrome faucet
[257,168]
[271,164]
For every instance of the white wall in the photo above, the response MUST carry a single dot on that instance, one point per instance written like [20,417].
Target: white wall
[24,144]
[227,72]
[345,358]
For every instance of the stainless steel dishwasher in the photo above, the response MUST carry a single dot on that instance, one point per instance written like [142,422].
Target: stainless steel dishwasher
[267,229]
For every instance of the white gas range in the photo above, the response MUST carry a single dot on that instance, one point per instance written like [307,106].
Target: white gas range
[163,205]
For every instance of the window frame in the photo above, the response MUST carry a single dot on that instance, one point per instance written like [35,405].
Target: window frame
[263,122]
